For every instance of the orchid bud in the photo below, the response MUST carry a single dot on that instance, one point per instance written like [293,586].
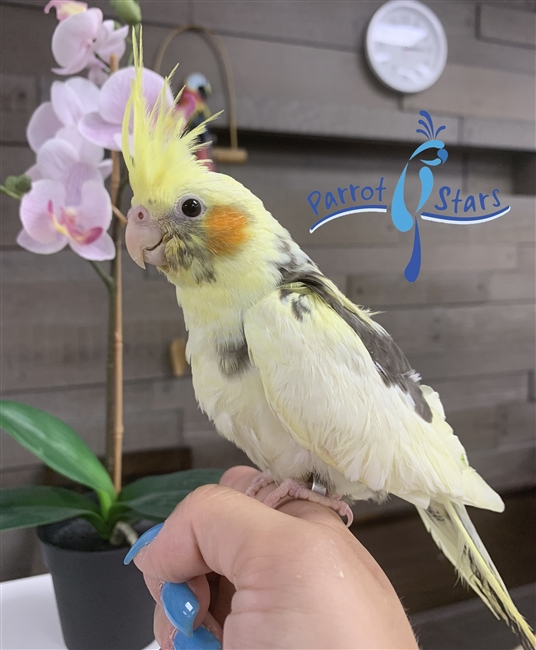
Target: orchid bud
[128,11]
[18,185]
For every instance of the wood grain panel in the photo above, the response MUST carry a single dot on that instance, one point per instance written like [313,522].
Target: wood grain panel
[505,427]
[58,354]
[501,134]
[481,92]
[393,260]
[526,256]
[504,357]
[477,429]
[382,289]
[277,88]
[478,327]
[507,468]
[518,423]
[458,328]
[18,266]
[17,57]
[322,117]
[79,303]
[507,25]
[460,21]
[18,99]
[512,286]
[263,69]
[340,25]
[160,11]
[481,392]
[289,88]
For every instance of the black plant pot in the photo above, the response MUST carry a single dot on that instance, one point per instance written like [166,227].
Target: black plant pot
[103,604]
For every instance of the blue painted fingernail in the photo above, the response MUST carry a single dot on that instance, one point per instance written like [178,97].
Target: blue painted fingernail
[202,639]
[142,541]
[180,606]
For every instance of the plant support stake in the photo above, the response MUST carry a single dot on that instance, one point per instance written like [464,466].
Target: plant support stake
[114,405]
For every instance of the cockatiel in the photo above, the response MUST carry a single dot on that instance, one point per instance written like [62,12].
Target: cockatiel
[287,368]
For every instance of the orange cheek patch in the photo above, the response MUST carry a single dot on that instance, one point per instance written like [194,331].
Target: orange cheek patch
[226,229]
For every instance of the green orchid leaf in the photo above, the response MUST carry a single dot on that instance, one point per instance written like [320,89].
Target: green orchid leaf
[120,512]
[185,481]
[35,505]
[155,497]
[56,444]
[156,506]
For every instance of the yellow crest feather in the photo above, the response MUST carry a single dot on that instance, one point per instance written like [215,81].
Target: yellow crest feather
[160,155]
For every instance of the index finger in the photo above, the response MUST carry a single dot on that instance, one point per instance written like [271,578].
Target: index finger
[216,529]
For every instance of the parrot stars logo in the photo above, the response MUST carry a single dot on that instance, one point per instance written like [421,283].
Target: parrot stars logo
[465,211]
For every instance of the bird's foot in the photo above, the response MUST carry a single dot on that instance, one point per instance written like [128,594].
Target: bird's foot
[290,489]
[261,480]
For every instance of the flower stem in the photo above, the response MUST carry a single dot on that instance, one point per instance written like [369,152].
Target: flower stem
[105,277]
[4,190]
[122,531]
[109,68]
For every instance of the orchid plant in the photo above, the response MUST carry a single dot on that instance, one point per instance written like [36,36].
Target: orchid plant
[64,201]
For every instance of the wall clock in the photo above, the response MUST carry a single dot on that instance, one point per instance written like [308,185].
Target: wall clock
[406,46]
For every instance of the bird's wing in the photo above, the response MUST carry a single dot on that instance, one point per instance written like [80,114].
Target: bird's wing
[346,393]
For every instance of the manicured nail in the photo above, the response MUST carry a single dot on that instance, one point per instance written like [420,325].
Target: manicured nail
[202,639]
[180,606]
[142,541]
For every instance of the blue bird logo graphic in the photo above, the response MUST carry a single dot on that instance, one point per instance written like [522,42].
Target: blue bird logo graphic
[400,215]
[465,211]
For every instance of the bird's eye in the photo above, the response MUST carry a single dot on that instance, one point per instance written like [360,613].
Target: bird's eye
[191,208]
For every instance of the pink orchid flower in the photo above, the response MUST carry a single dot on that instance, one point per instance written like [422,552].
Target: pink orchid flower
[103,127]
[65,155]
[83,38]
[59,119]
[69,102]
[65,8]
[52,217]
[64,158]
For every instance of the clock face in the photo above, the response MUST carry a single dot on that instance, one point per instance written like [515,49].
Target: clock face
[406,46]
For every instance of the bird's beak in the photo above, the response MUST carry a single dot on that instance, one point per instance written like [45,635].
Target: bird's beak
[144,238]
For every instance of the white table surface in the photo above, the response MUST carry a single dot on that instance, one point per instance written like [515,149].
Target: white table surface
[29,616]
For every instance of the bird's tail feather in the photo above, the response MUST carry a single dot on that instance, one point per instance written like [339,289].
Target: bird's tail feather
[454,533]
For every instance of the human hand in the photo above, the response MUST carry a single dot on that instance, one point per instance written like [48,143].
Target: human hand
[288,578]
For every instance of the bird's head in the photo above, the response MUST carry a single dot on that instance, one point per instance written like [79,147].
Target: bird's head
[441,153]
[185,219]
[197,82]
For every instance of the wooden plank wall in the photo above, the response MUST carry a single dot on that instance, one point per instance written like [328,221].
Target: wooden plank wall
[312,117]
